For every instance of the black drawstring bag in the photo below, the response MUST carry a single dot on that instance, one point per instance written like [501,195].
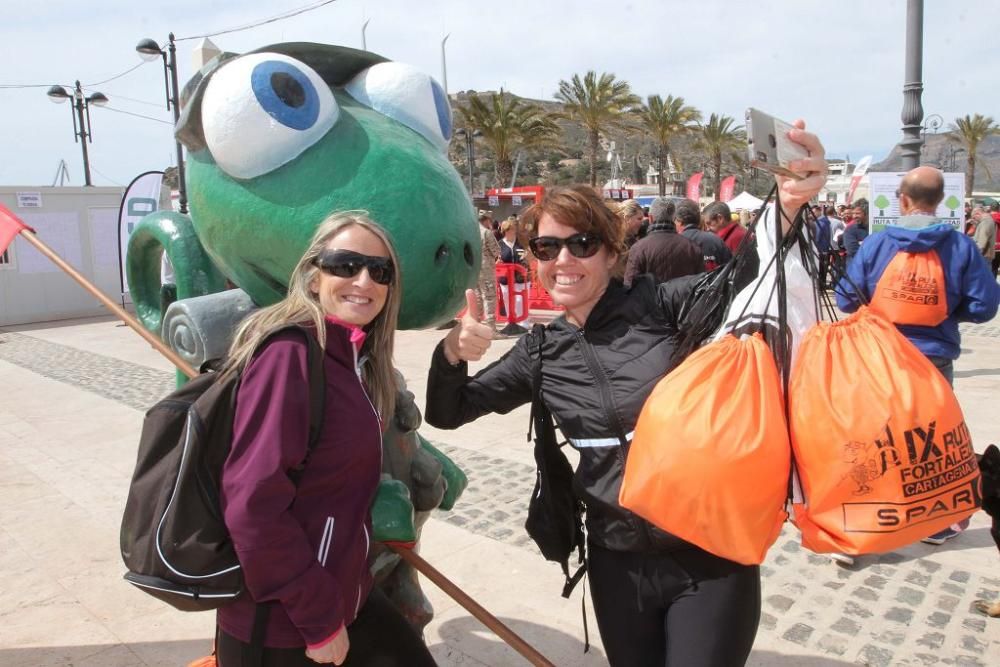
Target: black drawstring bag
[555,514]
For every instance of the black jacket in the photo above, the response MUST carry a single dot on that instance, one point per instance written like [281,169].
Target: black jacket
[665,254]
[714,249]
[594,381]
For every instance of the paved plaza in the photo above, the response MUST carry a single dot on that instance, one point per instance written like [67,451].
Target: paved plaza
[73,397]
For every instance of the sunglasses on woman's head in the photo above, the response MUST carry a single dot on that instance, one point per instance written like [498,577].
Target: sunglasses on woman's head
[347,264]
[583,245]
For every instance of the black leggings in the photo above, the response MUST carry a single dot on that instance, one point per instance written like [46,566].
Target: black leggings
[379,637]
[682,609]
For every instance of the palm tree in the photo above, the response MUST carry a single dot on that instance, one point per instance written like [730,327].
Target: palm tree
[509,125]
[666,120]
[599,103]
[720,138]
[970,132]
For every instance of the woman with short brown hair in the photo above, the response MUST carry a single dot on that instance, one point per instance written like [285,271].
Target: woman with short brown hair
[658,599]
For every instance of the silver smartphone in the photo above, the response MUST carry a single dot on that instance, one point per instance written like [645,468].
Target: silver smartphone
[769,146]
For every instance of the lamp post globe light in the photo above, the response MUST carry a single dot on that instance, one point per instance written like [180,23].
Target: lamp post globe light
[149,50]
[80,112]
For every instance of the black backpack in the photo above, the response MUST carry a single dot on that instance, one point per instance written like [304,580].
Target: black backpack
[555,514]
[173,538]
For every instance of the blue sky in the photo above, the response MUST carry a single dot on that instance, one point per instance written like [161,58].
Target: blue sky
[839,65]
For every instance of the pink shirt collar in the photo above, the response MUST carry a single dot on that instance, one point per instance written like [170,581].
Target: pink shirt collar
[357,333]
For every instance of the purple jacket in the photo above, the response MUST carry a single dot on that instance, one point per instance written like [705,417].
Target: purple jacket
[304,547]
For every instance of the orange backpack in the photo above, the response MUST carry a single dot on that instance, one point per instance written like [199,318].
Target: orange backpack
[912,290]
[710,459]
[881,447]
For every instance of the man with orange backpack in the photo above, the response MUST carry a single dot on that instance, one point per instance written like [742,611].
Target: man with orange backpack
[925,277]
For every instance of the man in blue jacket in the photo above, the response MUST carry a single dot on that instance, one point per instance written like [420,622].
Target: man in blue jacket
[972,293]
[857,232]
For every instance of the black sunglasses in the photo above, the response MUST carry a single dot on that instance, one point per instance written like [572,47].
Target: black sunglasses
[547,248]
[347,264]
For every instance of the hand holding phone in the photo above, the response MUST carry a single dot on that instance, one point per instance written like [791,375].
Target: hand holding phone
[769,146]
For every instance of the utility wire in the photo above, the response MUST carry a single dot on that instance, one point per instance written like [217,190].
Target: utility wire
[105,176]
[280,17]
[118,76]
[273,19]
[86,85]
[137,115]
[13,86]
[116,97]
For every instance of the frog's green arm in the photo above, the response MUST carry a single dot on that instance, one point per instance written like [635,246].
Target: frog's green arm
[453,475]
[195,274]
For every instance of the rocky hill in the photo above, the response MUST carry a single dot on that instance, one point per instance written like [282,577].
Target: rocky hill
[568,163]
[941,152]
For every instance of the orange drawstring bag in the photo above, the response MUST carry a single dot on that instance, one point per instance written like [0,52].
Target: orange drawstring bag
[911,290]
[881,446]
[710,458]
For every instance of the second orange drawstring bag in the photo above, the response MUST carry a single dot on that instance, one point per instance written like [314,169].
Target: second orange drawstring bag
[880,443]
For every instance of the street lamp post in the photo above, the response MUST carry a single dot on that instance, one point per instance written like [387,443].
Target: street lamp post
[913,85]
[470,151]
[444,65]
[953,159]
[932,123]
[148,49]
[80,111]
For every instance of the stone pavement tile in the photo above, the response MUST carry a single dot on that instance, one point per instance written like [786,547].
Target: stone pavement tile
[166,637]
[514,586]
[84,655]
[105,336]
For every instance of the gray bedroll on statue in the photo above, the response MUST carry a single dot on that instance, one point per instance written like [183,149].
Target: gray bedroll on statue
[200,328]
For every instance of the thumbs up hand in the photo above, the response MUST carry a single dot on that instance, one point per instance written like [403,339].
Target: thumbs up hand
[469,340]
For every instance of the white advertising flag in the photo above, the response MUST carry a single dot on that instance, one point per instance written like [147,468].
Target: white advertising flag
[859,172]
[141,198]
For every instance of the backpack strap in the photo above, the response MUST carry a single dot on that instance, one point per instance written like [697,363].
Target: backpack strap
[317,396]
[541,420]
[534,339]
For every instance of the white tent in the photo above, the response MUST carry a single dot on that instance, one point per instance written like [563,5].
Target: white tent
[744,200]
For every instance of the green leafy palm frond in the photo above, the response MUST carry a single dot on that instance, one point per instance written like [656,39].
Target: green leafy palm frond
[508,124]
[597,102]
[970,131]
[721,135]
[665,119]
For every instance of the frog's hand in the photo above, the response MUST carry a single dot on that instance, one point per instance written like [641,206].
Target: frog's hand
[453,475]
[392,513]
[194,272]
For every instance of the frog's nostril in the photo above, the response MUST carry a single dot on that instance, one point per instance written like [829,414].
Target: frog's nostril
[467,253]
[441,256]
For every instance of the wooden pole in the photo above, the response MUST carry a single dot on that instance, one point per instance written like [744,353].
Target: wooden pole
[136,326]
[473,607]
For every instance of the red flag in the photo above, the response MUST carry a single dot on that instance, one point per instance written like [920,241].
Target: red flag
[10,226]
[727,188]
[694,186]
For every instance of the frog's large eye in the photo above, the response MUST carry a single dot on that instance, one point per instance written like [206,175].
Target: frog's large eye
[406,94]
[262,111]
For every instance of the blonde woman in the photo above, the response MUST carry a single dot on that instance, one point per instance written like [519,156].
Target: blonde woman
[632,215]
[304,546]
